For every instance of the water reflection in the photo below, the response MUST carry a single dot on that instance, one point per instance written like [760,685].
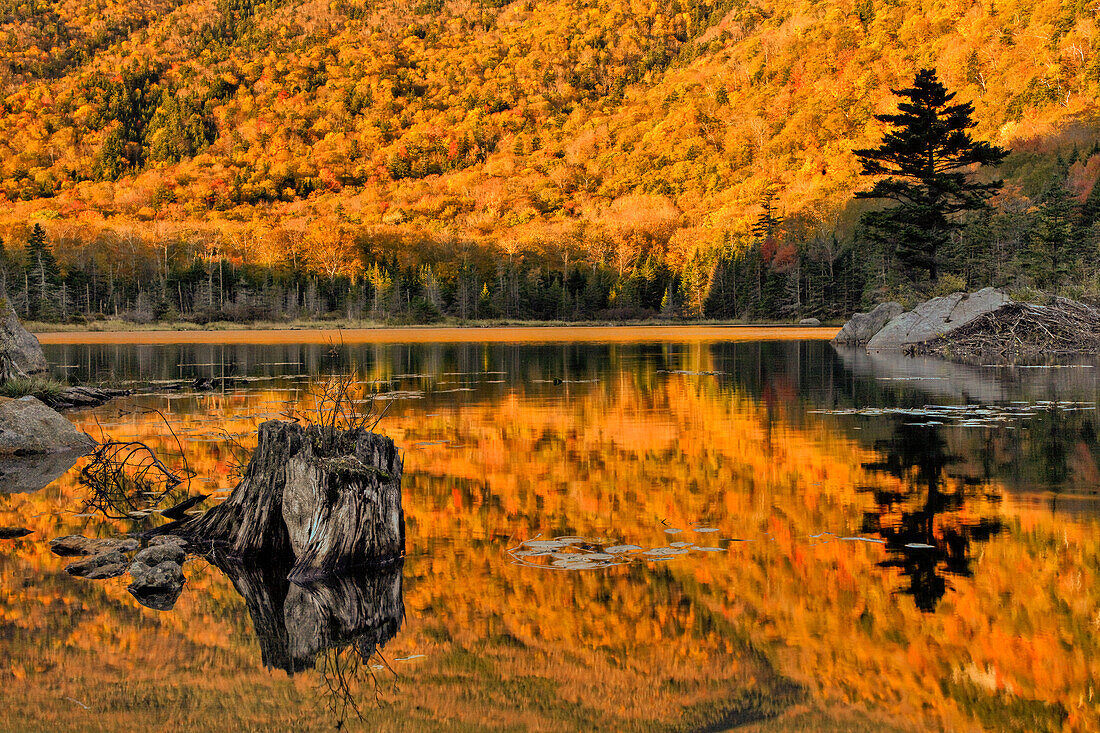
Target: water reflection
[297,622]
[923,517]
[761,441]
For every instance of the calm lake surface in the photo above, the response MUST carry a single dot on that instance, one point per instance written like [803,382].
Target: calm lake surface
[815,539]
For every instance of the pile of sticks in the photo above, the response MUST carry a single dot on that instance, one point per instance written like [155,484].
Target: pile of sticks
[1024,331]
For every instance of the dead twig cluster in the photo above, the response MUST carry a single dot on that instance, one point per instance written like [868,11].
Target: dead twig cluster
[1024,331]
[126,478]
[341,406]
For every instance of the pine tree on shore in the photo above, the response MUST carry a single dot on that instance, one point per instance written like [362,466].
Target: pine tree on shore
[41,274]
[924,166]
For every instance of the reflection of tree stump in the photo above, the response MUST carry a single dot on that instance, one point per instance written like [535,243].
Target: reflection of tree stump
[296,623]
[365,610]
[332,499]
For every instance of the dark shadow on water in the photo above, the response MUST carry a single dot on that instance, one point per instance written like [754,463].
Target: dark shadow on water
[295,623]
[929,522]
[25,474]
[337,625]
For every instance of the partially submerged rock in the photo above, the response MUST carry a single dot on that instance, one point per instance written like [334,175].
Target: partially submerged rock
[861,327]
[937,318]
[28,426]
[161,552]
[14,533]
[156,586]
[79,545]
[77,397]
[167,539]
[107,565]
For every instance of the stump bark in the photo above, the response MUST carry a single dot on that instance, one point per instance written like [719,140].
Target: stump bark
[331,500]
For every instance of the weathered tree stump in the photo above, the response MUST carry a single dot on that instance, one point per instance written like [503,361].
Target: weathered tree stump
[330,499]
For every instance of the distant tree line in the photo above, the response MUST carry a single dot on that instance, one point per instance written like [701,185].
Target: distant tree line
[940,233]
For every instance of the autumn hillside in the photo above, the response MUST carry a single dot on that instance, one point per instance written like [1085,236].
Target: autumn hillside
[561,131]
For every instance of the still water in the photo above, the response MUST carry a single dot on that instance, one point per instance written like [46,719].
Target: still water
[816,540]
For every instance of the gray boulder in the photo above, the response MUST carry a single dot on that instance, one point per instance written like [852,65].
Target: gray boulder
[157,587]
[809,322]
[936,317]
[164,552]
[78,545]
[108,565]
[20,353]
[28,426]
[167,539]
[862,327]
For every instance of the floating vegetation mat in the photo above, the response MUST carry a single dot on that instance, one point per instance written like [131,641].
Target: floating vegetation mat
[589,553]
[691,373]
[966,415]
[592,553]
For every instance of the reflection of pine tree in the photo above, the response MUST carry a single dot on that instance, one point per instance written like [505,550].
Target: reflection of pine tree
[928,510]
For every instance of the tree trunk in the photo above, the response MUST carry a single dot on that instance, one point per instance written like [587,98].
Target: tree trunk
[329,499]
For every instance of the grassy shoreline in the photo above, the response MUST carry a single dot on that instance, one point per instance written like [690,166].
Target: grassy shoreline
[122,326]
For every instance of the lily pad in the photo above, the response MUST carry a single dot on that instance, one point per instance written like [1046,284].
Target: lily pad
[622,549]
[665,551]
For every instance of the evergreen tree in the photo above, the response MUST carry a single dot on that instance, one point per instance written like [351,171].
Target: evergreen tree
[721,301]
[9,272]
[925,160]
[41,274]
[767,223]
[1087,228]
[1053,248]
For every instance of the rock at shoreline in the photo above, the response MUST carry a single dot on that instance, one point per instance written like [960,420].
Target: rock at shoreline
[28,426]
[79,545]
[107,565]
[986,323]
[937,318]
[158,586]
[809,322]
[862,327]
[20,353]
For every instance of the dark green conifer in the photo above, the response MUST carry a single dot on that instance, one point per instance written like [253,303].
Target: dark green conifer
[41,274]
[926,162]
[1054,249]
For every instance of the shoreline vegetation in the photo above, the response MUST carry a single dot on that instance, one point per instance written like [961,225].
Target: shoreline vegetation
[119,325]
[343,333]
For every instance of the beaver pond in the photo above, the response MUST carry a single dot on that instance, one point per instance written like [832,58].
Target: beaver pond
[669,531]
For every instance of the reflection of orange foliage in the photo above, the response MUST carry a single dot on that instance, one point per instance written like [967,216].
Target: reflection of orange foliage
[627,645]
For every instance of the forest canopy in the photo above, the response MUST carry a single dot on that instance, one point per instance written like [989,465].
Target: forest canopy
[244,159]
